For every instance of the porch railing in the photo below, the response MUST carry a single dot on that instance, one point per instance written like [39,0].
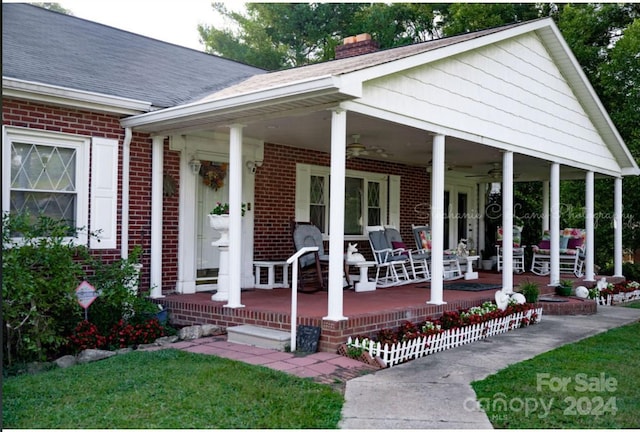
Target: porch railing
[293,260]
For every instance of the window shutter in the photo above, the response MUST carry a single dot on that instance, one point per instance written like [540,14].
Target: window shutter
[303,184]
[104,192]
[394,200]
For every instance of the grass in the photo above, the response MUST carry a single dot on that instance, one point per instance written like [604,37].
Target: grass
[168,389]
[602,388]
[633,304]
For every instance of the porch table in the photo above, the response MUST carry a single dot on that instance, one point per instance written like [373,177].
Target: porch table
[469,273]
[363,284]
[271,274]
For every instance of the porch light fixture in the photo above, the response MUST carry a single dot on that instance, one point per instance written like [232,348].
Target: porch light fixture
[253,166]
[195,166]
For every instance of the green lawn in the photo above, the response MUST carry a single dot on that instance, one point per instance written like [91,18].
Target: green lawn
[168,389]
[633,304]
[593,383]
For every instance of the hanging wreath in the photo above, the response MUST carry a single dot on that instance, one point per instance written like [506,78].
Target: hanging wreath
[213,174]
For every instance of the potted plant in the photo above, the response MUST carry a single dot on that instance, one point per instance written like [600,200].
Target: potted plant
[529,290]
[565,288]
[486,262]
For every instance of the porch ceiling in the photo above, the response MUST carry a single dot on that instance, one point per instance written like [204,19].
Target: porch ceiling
[404,144]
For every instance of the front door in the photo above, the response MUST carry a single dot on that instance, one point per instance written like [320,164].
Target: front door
[208,194]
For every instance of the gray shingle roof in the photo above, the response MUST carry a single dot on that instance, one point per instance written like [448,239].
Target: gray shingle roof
[52,48]
[349,64]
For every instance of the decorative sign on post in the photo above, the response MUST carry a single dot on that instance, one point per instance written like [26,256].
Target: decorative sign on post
[86,294]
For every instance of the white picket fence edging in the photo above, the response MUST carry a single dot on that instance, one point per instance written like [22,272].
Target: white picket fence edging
[624,297]
[422,346]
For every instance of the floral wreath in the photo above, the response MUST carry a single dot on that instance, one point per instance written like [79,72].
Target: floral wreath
[213,174]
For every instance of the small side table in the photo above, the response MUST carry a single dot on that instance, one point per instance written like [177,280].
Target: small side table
[469,273]
[271,274]
[363,284]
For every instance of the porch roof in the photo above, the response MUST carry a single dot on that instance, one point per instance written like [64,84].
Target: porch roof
[315,88]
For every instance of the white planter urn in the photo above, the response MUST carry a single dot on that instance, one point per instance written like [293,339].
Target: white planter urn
[220,223]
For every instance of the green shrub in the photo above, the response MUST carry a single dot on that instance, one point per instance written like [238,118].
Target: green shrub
[631,271]
[41,270]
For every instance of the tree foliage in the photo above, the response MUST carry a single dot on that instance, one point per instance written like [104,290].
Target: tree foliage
[468,17]
[56,7]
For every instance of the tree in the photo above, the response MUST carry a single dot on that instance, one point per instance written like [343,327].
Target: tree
[281,35]
[468,17]
[56,7]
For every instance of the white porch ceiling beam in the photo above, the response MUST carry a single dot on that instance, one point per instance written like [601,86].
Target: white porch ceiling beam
[321,87]
[419,123]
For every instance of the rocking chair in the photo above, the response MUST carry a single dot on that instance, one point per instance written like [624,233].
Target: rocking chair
[313,267]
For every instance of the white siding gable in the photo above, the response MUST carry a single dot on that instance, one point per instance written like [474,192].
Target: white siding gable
[510,93]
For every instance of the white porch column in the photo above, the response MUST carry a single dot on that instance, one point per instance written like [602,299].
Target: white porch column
[157,169]
[437,220]
[482,204]
[187,220]
[545,206]
[554,278]
[507,222]
[617,227]
[589,211]
[335,310]
[235,215]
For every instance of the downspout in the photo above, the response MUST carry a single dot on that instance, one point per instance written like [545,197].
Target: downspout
[124,210]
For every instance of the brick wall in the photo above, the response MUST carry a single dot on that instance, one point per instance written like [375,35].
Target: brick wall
[276,189]
[86,123]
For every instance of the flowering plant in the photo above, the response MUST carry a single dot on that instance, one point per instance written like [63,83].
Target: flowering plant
[451,319]
[221,209]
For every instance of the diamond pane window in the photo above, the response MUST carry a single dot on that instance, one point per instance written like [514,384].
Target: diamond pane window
[373,204]
[43,180]
[353,206]
[318,207]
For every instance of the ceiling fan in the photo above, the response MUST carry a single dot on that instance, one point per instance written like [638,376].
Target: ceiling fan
[495,173]
[356,149]
[450,167]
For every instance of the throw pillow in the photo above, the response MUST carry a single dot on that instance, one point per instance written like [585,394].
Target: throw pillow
[574,243]
[564,241]
[398,245]
[544,244]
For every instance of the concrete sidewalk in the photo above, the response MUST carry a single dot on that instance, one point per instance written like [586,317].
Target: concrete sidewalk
[434,392]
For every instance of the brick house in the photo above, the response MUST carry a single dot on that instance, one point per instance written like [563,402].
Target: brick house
[147,124]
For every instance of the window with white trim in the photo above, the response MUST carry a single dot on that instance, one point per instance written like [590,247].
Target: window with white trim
[366,201]
[46,173]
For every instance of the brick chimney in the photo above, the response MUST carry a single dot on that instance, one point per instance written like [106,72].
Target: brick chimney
[356,45]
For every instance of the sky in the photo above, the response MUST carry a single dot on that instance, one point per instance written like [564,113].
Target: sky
[174,21]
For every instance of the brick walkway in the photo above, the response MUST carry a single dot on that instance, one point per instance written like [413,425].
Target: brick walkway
[322,367]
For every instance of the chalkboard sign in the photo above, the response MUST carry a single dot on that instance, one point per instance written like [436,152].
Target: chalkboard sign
[307,338]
